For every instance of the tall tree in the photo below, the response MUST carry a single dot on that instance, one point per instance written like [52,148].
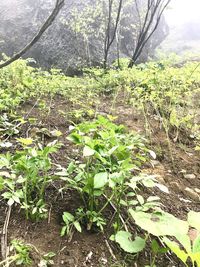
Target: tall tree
[110,34]
[148,25]
[58,6]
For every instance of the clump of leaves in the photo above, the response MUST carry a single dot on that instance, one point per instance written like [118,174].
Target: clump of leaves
[164,225]
[21,254]
[24,177]
[110,156]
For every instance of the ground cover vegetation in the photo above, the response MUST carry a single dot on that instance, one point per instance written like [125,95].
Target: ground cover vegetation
[81,156]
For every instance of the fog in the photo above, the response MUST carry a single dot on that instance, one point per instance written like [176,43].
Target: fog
[182,11]
[20,20]
[183,18]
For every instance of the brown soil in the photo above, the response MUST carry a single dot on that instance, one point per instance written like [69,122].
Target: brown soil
[91,248]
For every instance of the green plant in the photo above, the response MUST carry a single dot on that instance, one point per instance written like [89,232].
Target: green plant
[110,156]
[47,259]
[164,225]
[123,238]
[156,249]
[21,255]
[70,222]
[26,177]
[107,165]
[190,249]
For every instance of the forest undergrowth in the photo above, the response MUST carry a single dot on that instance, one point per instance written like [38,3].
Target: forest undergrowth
[100,169]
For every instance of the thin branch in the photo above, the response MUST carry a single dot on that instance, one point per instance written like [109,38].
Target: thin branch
[153,30]
[117,22]
[108,39]
[154,12]
[45,26]
[4,237]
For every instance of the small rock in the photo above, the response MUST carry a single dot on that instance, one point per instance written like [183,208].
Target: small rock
[197,190]
[176,186]
[103,261]
[191,193]
[183,171]
[190,176]
[160,179]
[185,200]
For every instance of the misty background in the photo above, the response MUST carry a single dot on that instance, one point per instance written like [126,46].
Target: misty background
[183,18]
[178,32]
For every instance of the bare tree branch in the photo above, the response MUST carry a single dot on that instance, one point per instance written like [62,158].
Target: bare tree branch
[59,4]
[109,39]
[155,9]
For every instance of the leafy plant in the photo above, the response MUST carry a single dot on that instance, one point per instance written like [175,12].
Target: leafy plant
[26,177]
[123,238]
[165,225]
[47,260]
[70,222]
[21,255]
[107,164]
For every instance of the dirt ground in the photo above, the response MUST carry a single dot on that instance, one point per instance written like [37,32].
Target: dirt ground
[94,248]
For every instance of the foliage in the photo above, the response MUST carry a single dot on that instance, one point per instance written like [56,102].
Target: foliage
[21,255]
[109,156]
[160,90]
[107,170]
[165,225]
[24,177]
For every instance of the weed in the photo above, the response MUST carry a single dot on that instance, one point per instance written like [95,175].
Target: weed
[26,177]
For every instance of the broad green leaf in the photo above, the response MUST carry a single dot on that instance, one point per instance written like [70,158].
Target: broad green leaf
[148,183]
[63,230]
[68,217]
[7,195]
[116,177]
[71,167]
[87,151]
[160,224]
[174,247]
[123,238]
[4,162]
[49,255]
[196,245]
[100,180]
[77,226]
[194,219]
[184,240]
[123,203]
[75,138]
[34,210]
[98,192]
[133,202]
[140,199]
[16,199]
